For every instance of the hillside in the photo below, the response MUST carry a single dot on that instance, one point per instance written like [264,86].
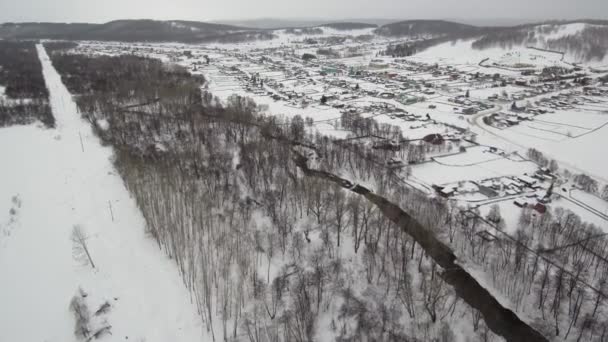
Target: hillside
[43,30]
[581,40]
[585,40]
[427,28]
[130,30]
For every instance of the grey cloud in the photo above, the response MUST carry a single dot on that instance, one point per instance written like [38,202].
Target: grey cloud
[206,10]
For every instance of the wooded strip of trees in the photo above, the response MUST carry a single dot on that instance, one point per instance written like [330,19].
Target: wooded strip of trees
[25,97]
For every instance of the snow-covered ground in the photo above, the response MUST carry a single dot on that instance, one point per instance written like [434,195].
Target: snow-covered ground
[49,185]
[435,173]
[579,153]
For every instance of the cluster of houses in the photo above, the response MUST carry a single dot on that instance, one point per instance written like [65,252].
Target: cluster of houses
[564,100]
[468,106]
[505,120]
[570,99]
[532,191]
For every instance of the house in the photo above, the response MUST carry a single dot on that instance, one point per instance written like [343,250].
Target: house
[486,191]
[520,203]
[540,208]
[527,180]
[444,191]
[447,192]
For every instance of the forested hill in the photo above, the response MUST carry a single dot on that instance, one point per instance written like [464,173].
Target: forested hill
[131,30]
[428,27]
[581,40]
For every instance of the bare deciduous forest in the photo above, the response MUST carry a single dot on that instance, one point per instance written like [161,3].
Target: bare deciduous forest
[25,94]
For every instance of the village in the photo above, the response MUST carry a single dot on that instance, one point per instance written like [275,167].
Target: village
[458,122]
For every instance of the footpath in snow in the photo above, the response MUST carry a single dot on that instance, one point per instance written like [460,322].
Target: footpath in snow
[48,185]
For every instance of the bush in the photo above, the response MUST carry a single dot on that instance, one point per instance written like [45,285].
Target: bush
[81,313]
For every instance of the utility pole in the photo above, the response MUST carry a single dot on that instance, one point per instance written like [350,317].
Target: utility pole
[81,144]
[111,213]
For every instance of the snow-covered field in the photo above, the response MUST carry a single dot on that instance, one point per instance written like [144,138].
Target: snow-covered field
[439,173]
[582,153]
[49,185]
[461,55]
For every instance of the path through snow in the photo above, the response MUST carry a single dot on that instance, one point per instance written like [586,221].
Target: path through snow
[58,186]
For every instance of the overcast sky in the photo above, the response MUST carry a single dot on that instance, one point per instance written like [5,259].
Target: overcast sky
[207,10]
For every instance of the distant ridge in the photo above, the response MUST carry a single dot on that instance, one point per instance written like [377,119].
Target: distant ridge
[346,26]
[273,23]
[129,31]
[591,42]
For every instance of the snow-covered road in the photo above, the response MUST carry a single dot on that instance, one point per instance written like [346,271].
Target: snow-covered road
[48,185]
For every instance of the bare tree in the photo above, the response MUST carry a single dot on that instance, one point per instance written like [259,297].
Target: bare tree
[494,214]
[80,248]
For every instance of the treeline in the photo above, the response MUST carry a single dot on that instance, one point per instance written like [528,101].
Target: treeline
[412,48]
[21,72]
[23,112]
[590,44]
[59,45]
[428,28]
[304,31]
[25,97]
[505,39]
